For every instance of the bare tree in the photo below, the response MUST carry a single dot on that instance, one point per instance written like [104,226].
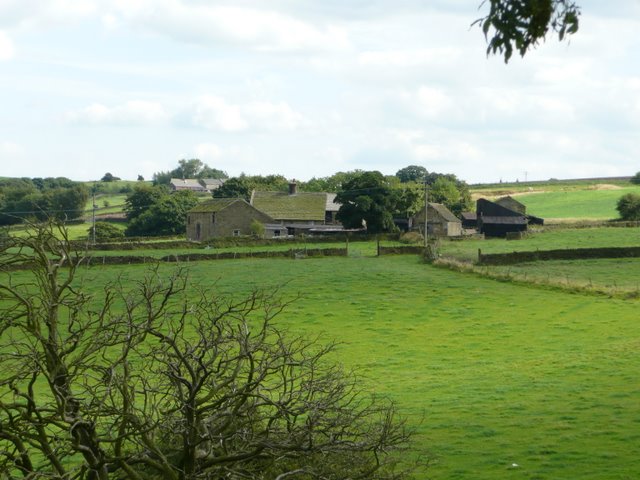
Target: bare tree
[152,379]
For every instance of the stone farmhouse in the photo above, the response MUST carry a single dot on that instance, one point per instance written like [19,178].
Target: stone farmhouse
[298,212]
[202,185]
[223,217]
[441,222]
[192,184]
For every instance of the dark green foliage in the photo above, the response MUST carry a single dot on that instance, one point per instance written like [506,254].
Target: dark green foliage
[193,168]
[41,198]
[636,179]
[108,177]
[412,173]
[333,183]
[367,200]
[105,231]
[521,24]
[629,206]
[233,188]
[165,215]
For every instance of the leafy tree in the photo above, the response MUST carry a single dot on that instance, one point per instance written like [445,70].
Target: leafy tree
[142,198]
[367,200]
[521,24]
[193,168]
[233,188]
[412,173]
[58,198]
[158,379]
[108,177]
[166,216]
[636,179]
[333,183]
[628,206]
[140,178]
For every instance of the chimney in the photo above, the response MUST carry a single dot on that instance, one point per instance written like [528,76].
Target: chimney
[293,187]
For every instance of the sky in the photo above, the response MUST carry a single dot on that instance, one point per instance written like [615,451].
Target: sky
[307,88]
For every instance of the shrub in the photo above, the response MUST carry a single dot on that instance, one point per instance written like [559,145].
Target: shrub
[411,237]
[629,206]
[105,231]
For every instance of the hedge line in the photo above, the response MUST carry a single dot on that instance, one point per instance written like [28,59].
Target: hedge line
[565,254]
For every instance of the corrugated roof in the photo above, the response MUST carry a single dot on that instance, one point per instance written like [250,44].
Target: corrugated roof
[214,205]
[504,220]
[299,206]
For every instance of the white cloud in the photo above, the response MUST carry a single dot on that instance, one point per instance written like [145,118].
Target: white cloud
[10,150]
[136,112]
[408,58]
[215,113]
[208,151]
[264,30]
[7,49]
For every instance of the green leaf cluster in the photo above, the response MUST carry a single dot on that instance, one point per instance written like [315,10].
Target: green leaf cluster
[521,24]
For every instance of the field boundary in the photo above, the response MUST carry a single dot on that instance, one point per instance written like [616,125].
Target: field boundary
[562,254]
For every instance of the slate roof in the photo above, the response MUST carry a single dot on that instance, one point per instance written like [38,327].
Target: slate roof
[186,184]
[212,183]
[215,205]
[444,212]
[332,206]
[469,216]
[304,206]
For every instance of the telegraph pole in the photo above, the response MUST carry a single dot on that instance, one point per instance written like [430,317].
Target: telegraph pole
[93,217]
[426,209]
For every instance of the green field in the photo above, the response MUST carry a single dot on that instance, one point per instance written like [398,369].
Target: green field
[564,200]
[489,373]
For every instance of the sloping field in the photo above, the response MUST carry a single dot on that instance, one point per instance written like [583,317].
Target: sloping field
[500,381]
[599,204]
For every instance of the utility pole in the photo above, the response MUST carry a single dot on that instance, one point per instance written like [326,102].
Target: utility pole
[93,217]
[426,209]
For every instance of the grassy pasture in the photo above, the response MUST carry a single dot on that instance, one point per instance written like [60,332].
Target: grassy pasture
[491,374]
[549,239]
[566,200]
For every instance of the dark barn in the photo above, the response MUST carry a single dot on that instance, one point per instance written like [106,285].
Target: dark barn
[494,220]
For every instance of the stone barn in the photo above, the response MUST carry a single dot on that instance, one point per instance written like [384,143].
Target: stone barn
[223,217]
[441,222]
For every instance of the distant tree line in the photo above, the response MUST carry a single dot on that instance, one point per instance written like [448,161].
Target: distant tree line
[192,168]
[41,198]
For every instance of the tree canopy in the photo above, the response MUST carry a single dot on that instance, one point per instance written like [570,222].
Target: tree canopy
[40,199]
[152,210]
[519,25]
[367,200]
[193,168]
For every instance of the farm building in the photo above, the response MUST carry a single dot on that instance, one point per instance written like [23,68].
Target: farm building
[191,184]
[469,220]
[211,184]
[223,217]
[512,204]
[494,220]
[440,221]
[299,212]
